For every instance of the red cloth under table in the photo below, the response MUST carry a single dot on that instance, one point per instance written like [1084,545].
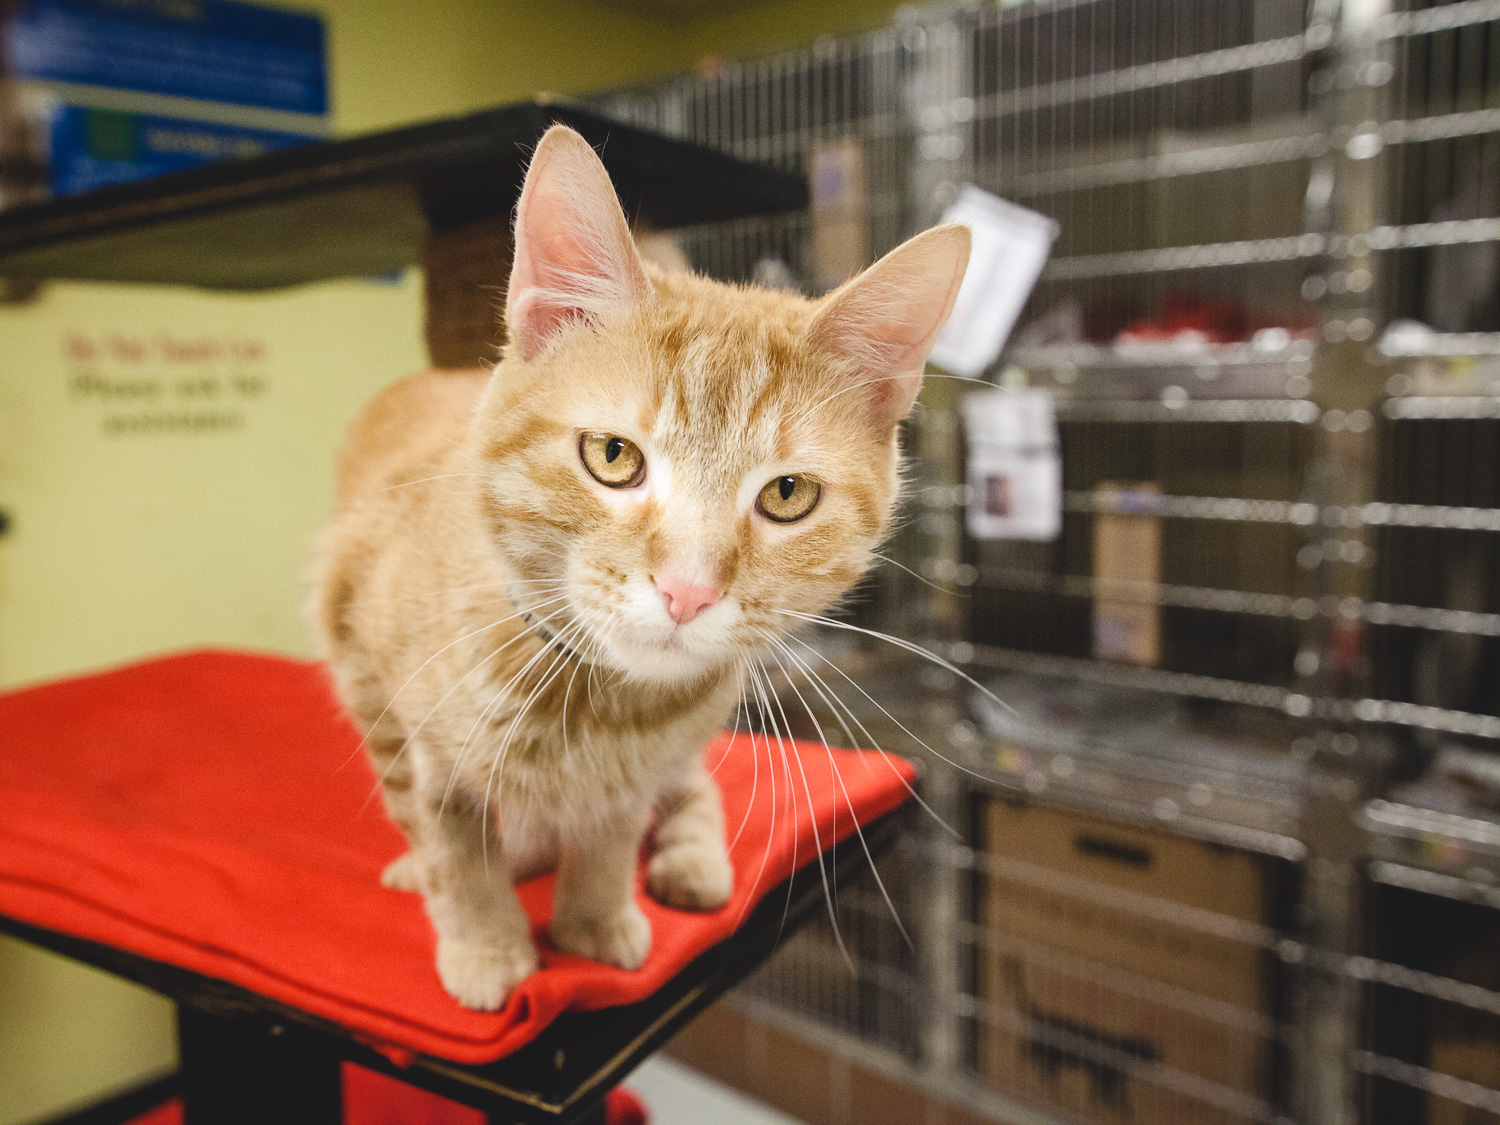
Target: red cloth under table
[213,810]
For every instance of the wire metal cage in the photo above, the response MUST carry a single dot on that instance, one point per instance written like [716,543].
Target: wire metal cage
[1270,327]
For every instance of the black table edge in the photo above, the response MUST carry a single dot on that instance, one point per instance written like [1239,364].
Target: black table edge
[396,153]
[576,1054]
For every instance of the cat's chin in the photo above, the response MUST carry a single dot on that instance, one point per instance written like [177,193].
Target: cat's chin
[671,662]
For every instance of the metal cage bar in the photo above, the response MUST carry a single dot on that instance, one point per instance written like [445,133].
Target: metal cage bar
[1329,486]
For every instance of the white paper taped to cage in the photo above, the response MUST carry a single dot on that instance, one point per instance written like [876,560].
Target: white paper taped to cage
[1015,472]
[1011,245]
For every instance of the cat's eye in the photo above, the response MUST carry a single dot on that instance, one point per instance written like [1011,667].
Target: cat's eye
[787,499]
[612,461]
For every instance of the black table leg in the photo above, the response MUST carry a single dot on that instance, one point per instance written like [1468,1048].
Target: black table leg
[594,1116]
[238,1071]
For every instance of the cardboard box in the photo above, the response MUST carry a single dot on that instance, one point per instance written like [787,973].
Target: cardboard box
[1100,1001]
[1127,568]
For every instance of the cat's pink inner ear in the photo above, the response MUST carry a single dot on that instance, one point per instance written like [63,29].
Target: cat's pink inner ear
[574,257]
[887,319]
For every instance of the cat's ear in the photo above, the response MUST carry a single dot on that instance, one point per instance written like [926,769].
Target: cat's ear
[887,319]
[574,258]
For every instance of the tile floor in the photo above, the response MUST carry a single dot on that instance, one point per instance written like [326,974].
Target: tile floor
[679,1095]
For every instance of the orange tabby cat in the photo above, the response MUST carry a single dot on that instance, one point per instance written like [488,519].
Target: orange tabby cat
[542,583]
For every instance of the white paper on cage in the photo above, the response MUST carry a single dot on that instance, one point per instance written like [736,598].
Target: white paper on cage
[1011,245]
[1015,471]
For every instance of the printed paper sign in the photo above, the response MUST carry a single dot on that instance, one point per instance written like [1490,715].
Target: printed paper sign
[1011,245]
[1015,473]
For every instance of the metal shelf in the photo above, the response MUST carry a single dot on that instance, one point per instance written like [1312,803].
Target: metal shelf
[1180,408]
[1443,406]
[1169,375]
[1435,852]
[361,206]
[1171,796]
[1130,676]
[1440,345]
[1224,789]
[1244,601]
[1211,255]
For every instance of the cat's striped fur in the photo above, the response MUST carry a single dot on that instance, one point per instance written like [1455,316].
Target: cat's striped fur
[497,618]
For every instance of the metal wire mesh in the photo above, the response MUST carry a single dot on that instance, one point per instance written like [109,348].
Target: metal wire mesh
[1317,187]
[854,968]
[1430,1009]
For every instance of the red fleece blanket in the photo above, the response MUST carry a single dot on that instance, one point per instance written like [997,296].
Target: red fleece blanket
[213,810]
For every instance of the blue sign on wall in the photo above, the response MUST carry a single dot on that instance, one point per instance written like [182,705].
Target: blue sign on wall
[95,147]
[216,50]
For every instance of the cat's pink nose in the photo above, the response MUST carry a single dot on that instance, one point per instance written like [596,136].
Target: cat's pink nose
[684,601]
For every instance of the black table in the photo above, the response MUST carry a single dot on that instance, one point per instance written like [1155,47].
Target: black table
[247,1060]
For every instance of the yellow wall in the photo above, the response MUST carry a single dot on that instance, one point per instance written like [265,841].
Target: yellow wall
[394,62]
[125,543]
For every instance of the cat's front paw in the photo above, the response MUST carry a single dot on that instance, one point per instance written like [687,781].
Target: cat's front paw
[690,876]
[622,941]
[482,977]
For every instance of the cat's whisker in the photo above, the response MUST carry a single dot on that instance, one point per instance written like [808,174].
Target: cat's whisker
[768,719]
[904,645]
[598,622]
[754,764]
[734,732]
[567,694]
[833,765]
[553,671]
[772,639]
[835,702]
[767,694]
[497,765]
[484,712]
[765,737]
[424,480]
[522,550]
[833,846]
[597,656]
[771,831]
[411,737]
[904,729]
[588,685]
[439,614]
[724,757]
[920,578]
[833,917]
[565,639]
[361,602]
[363,742]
